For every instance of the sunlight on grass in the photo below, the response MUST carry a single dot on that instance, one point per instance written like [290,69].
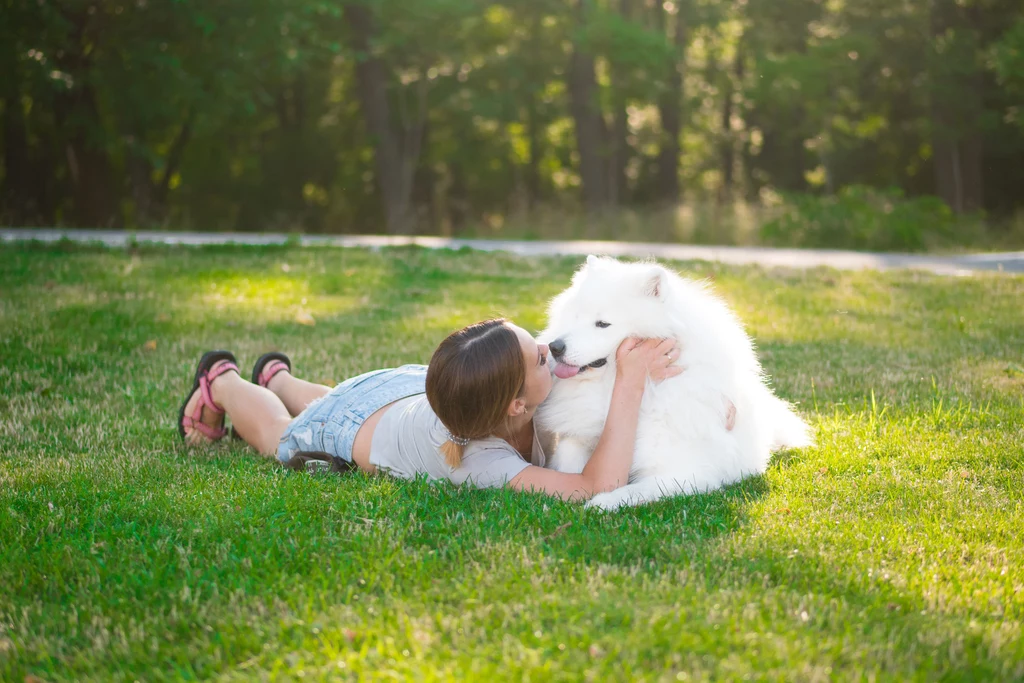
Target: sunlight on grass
[268,299]
[458,305]
[888,550]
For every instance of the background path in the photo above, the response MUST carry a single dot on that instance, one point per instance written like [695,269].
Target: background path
[965,264]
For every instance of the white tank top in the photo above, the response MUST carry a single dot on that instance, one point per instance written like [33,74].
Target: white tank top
[407,443]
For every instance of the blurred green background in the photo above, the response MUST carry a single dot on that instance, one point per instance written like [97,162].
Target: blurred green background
[876,124]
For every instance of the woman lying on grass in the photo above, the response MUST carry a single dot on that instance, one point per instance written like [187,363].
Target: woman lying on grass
[468,416]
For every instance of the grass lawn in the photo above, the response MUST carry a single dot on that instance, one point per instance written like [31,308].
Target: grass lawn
[893,549]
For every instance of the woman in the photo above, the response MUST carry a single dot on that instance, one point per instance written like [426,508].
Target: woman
[468,416]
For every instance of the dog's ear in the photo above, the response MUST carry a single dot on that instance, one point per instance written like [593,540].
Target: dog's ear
[591,260]
[654,284]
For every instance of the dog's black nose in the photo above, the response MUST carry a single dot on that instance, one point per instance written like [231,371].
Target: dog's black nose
[557,348]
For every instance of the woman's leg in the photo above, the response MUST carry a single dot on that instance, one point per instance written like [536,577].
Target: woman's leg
[295,393]
[257,414]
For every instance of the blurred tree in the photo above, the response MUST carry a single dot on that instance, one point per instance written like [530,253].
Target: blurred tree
[671,21]
[591,132]
[435,116]
[956,104]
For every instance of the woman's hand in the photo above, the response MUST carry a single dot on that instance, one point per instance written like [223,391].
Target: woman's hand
[608,467]
[638,359]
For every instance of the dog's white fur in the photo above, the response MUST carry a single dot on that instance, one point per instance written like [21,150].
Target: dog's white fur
[683,444]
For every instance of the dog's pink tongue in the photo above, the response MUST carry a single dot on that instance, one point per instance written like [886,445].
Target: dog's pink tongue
[563,371]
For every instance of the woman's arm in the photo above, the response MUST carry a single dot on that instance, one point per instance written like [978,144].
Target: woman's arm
[608,467]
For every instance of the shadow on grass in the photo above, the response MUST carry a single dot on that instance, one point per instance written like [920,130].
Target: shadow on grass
[261,548]
[142,536]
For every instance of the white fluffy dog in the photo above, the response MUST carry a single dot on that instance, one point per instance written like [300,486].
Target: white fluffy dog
[712,425]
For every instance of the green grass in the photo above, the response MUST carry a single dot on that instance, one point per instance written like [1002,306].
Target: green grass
[891,550]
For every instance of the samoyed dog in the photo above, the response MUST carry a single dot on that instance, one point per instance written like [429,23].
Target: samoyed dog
[712,425]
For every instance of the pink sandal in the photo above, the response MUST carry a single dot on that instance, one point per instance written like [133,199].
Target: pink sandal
[203,379]
[268,365]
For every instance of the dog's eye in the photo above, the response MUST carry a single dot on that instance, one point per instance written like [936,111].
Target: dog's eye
[602,324]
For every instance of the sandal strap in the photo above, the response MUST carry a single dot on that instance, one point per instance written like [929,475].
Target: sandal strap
[206,430]
[206,400]
[222,362]
[206,379]
[220,370]
[270,370]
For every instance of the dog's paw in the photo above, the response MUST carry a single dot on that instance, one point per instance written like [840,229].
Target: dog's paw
[612,500]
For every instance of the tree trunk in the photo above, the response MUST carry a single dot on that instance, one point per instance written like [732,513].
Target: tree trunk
[372,81]
[458,197]
[26,178]
[586,113]
[174,157]
[533,134]
[670,109]
[95,202]
[728,146]
[76,113]
[955,108]
[618,184]
[534,84]
[140,180]
[94,198]
[149,196]
[424,191]
[16,195]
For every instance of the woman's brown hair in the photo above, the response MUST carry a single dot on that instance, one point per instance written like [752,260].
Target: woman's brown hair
[472,378]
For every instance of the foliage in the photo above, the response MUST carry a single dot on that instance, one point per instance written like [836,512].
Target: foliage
[1008,60]
[889,551]
[260,115]
[780,220]
[860,217]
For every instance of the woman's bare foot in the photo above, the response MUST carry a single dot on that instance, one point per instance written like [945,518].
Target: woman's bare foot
[211,417]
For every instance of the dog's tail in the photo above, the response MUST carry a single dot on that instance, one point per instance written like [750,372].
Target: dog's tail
[787,428]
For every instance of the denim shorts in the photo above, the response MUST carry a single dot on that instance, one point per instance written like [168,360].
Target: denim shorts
[329,424]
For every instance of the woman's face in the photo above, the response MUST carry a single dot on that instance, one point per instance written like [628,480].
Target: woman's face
[538,372]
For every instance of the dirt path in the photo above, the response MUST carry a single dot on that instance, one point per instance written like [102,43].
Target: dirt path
[1010,262]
